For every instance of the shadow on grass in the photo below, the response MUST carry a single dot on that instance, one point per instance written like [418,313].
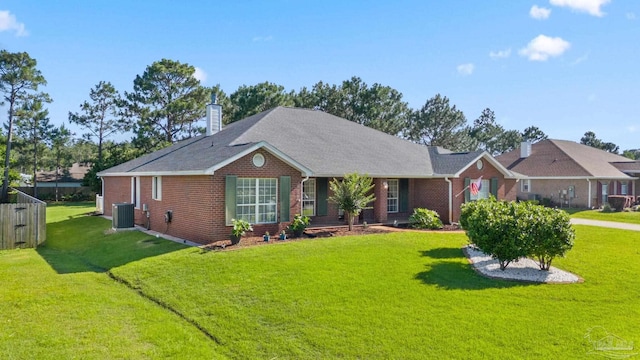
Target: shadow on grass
[451,275]
[443,253]
[86,244]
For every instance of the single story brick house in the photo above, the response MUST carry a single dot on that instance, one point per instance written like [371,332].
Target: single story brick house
[571,174]
[278,163]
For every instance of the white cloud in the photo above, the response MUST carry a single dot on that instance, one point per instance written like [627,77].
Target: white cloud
[591,7]
[500,54]
[539,13]
[262,38]
[543,47]
[200,75]
[630,16]
[8,22]
[466,69]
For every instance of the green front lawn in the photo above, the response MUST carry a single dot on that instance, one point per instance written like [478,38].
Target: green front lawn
[399,295]
[632,217]
[59,302]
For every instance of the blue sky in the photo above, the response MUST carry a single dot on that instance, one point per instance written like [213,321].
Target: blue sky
[566,66]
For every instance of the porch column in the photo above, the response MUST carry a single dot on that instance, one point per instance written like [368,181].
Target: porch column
[380,204]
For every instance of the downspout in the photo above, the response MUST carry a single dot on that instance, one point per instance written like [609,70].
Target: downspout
[450,198]
[302,194]
[589,193]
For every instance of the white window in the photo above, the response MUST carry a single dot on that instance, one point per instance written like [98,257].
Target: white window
[135,191]
[605,193]
[156,188]
[624,188]
[483,193]
[309,198]
[392,195]
[256,200]
[525,185]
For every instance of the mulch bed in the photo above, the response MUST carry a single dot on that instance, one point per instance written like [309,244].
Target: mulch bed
[316,233]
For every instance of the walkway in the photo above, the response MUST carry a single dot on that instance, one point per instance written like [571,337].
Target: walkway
[608,224]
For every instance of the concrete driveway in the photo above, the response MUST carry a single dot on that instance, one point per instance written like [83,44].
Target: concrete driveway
[609,224]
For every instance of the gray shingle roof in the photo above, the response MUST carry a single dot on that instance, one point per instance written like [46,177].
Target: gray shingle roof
[324,144]
[563,158]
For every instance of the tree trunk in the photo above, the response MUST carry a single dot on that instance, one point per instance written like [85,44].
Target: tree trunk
[4,197]
[350,220]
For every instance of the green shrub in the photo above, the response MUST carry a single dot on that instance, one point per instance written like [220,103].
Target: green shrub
[299,223]
[491,226]
[549,234]
[425,219]
[606,208]
[509,230]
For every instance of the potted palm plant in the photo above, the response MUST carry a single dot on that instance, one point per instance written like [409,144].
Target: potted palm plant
[240,227]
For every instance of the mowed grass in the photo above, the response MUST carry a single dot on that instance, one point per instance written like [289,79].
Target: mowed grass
[632,217]
[59,302]
[402,295]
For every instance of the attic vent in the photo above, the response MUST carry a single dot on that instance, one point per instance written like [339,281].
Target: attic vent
[525,149]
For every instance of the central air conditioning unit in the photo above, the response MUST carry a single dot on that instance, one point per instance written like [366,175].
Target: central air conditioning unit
[122,215]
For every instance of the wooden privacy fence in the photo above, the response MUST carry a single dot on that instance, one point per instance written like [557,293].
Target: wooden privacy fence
[23,224]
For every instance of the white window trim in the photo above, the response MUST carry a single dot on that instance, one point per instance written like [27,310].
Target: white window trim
[396,184]
[256,204]
[522,184]
[156,188]
[135,191]
[624,188]
[306,199]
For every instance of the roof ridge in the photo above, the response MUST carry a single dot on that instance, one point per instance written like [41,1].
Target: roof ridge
[187,143]
[553,141]
[260,118]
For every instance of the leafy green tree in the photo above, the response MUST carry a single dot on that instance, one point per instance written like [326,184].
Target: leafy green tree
[377,106]
[533,135]
[633,154]
[60,144]
[18,77]
[352,194]
[166,101]
[438,123]
[101,117]
[487,132]
[115,154]
[33,127]
[590,139]
[250,100]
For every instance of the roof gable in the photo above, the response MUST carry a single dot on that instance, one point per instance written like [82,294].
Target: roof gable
[563,158]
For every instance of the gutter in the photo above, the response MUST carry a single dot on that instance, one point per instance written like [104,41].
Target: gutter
[450,197]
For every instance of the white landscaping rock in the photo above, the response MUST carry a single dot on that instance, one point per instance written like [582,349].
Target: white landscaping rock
[522,269]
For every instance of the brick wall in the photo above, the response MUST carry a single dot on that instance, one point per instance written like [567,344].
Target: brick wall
[197,202]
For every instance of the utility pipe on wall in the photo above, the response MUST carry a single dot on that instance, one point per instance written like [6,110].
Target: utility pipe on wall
[450,198]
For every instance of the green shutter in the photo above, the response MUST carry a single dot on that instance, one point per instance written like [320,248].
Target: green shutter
[403,196]
[230,198]
[494,187]
[467,194]
[322,191]
[285,195]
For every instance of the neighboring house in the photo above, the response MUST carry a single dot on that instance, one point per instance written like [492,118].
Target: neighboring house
[571,174]
[273,165]
[65,178]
